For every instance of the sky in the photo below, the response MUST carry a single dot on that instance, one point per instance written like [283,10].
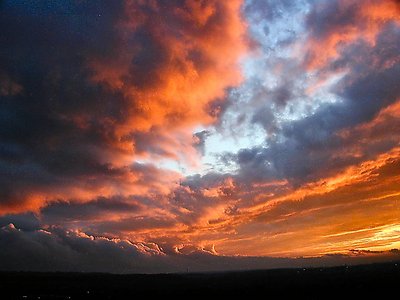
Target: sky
[145,136]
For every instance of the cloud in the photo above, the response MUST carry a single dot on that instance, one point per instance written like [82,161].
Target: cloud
[88,87]
[95,210]
[8,87]
[305,148]
[333,210]
[26,221]
[200,139]
[171,71]
[268,10]
[55,133]
[101,102]
[335,24]
[329,148]
[70,251]
[75,251]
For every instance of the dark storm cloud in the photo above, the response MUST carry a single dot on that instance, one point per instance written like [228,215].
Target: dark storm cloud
[70,251]
[26,221]
[84,86]
[63,211]
[54,128]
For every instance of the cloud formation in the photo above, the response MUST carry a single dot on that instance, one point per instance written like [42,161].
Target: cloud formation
[188,133]
[78,252]
[88,87]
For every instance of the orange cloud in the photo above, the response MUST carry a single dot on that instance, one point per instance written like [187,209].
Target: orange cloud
[358,208]
[172,72]
[353,20]
[168,67]
[167,71]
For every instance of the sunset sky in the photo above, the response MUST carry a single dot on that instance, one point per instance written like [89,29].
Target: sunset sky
[158,135]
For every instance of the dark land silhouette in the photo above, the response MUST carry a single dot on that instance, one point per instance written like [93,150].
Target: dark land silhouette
[343,282]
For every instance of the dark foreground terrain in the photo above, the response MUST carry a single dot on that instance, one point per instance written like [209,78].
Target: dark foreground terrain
[375,280]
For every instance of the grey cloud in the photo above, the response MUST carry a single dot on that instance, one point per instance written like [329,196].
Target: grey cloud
[328,16]
[46,47]
[305,149]
[63,211]
[26,221]
[58,250]
[267,9]
[68,251]
[200,139]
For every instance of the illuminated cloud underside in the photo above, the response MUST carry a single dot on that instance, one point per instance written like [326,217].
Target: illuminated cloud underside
[172,133]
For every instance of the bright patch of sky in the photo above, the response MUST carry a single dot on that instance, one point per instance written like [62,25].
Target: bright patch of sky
[276,88]
[269,70]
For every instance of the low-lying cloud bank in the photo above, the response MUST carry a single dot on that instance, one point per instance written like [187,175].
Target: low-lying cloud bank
[59,250]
